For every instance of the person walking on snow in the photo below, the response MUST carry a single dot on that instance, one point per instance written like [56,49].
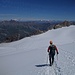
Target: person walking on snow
[51,51]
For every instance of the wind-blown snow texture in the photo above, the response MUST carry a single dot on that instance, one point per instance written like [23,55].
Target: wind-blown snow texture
[29,56]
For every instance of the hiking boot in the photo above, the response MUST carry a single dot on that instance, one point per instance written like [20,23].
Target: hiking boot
[50,65]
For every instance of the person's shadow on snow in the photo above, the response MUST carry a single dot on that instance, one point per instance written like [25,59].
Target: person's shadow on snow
[42,65]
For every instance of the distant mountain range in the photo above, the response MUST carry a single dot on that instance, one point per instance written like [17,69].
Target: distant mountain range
[14,30]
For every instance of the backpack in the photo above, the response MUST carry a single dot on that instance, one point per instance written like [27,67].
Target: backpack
[52,49]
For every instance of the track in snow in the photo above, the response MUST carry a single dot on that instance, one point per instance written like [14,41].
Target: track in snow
[49,70]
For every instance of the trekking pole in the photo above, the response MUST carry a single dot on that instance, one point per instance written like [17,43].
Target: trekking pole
[57,56]
[47,59]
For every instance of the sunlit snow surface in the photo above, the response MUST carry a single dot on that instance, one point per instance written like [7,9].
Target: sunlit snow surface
[29,56]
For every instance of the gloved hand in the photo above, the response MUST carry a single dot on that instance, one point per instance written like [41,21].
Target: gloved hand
[57,52]
[48,53]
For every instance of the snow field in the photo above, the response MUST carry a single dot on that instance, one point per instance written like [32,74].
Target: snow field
[29,56]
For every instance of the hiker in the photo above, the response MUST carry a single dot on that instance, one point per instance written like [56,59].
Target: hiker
[51,51]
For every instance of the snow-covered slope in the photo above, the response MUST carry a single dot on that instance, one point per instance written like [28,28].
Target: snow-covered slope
[29,56]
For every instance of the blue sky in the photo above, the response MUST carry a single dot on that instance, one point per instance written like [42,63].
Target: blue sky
[37,9]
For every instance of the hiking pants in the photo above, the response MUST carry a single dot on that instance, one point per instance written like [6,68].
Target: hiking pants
[51,58]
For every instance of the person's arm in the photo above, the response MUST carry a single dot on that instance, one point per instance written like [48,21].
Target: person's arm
[56,50]
[48,49]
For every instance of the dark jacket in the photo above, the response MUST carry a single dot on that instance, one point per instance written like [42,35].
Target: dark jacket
[52,48]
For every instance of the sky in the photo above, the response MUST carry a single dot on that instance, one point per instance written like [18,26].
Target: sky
[37,9]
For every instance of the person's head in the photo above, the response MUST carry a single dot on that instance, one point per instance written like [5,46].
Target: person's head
[51,42]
